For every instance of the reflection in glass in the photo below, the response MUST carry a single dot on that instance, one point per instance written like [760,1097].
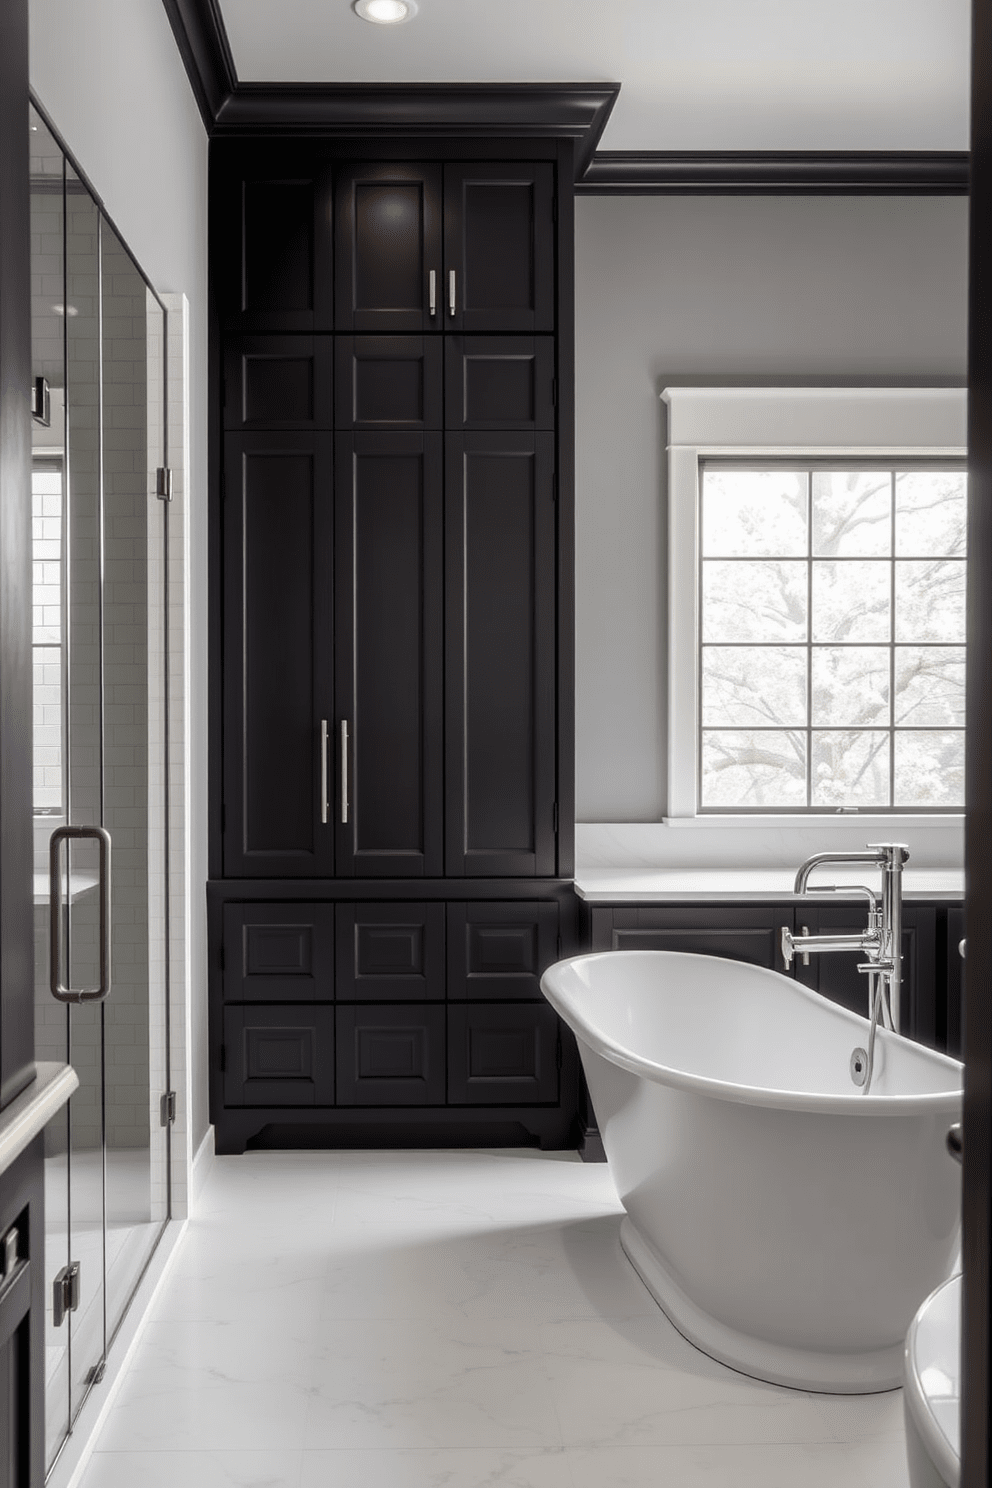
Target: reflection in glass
[753,513]
[850,685]
[746,769]
[849,767]
[757,685]
[851,601]
[852,513]
[754,601]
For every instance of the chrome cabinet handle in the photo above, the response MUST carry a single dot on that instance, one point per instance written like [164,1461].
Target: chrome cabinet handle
[451,291]
[432,291]
[344,770]
[59,990]
[323,770]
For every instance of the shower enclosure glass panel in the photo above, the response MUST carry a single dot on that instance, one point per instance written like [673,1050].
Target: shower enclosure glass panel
[100,709]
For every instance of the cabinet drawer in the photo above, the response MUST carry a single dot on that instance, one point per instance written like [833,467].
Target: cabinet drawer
[279,1056]
[388,382]
[502,1056]
[278,382]
[278,952]
[390,1055]
[499,951]
[499,382]
[390,952]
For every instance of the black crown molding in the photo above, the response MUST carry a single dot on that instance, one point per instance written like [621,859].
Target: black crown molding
[577,111]
[777,173]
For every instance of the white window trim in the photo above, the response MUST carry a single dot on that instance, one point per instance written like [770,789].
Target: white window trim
[887,423]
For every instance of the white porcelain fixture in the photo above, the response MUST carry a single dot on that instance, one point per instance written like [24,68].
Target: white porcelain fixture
[788,1224]
[932,1398]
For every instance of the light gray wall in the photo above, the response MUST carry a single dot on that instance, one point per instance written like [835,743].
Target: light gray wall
[109,76]
[713,290]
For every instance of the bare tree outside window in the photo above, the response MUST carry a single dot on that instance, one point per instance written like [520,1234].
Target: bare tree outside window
[832,638]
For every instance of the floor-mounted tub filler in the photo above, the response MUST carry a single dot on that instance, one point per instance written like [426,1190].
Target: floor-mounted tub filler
[787,1222]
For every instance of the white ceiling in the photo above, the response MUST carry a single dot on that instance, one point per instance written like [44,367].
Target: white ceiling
[696,74]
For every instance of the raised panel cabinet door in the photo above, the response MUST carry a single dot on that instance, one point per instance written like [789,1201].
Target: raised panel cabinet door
[501,1055]
[390,952]
[389,382]
[835,974]
[388,241]
[391,1055]
[500,951]
[500,655]
[499,244]
[278,1056]
[275,228]
[278,382]
[278,952]
[735,932]
[278,552]
[499,382]
[388,776]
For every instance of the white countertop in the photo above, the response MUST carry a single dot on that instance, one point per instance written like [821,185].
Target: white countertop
[743,885]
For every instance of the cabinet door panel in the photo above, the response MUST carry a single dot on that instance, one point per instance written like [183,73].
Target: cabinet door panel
[390,952]
[278,952]
[388,224]
[391,1055]
[274,226]
[277,653]
[389,382]
[499,240]
[954,1018]
[500,1055]
[740,934]
[278,1056]
[278,382]
[389,650]
[500,680]
[500,950]
[499,382]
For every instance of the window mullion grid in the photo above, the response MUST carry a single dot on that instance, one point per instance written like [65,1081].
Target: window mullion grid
[809,639]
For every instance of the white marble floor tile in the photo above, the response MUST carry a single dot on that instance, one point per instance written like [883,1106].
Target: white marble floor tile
[863,1417]
[421,1383]
[210,1385]
[193,1470]
[466,1468]
[636,1381]
[750,1465]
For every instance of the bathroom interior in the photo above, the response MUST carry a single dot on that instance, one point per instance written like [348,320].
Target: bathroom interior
[472,531]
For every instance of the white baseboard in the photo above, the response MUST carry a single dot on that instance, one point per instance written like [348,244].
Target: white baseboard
[202,1163]
[71,1465]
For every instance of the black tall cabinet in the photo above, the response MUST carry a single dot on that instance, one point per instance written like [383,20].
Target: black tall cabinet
[391,818]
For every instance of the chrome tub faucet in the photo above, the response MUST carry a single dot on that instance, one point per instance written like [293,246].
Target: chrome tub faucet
[881,941]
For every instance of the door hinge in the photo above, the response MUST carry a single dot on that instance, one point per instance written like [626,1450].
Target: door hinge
[95,1375]
[65,1293]
[168,1108]
[554,817]
[163,483]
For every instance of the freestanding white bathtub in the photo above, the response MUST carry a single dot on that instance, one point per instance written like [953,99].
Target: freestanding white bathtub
[787,1224]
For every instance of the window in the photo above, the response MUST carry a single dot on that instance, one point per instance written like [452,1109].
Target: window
[47,628]
[823,618]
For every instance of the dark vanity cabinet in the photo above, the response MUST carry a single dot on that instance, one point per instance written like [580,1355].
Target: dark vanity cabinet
[392,601]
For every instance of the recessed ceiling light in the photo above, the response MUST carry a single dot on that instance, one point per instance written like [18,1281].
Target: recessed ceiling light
[385,12]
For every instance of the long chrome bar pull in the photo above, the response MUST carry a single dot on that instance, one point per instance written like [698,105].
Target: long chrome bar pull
[323,770]
[451,291]
[432,292]
[344,770]
[60,990]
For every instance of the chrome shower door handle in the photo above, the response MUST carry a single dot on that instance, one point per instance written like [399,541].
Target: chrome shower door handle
[60,991]
[344,770]
[451,291]
[432,292]
[323,771]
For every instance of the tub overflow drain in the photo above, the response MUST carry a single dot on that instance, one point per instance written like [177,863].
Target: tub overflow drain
[859,1066]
